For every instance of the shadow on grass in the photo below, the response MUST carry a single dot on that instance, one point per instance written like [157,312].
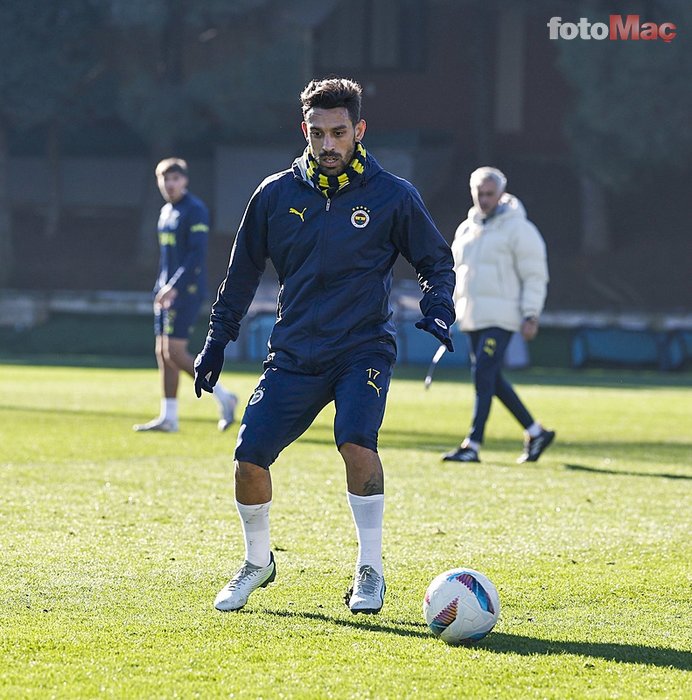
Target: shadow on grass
[96,415]
[318,434]
[80,414]
[81,361]
[542,376]
[595,470]
[426,440]
[94,361]
[677,453]
[365,622]
[504,643]
[558,376]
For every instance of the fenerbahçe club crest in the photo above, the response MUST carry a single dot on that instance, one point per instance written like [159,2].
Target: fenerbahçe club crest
[360,217]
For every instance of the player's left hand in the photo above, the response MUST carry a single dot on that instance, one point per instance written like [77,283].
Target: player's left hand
[439,328]
[208,366]
[529,328]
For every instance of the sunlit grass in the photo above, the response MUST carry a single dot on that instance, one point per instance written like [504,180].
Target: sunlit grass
[114,544]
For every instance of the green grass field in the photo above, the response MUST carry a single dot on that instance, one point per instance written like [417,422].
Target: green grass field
[113,545]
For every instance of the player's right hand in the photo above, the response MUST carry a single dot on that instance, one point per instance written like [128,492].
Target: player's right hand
[165,297]
[208,366]
[529,328]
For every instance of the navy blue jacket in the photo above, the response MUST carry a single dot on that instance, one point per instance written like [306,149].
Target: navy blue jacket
[334,259]
[183,239]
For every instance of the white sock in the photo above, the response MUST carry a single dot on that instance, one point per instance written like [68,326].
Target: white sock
[472,444]
[534,430]
[169,409]
[255,522]
[368,515]
[219,392]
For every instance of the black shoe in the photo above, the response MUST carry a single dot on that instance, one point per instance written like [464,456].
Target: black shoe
[461,454]
[534,447]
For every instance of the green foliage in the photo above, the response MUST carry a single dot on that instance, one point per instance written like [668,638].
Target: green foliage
[234,101]
[115,543]
[134,13]
[179,89]
[49,59]
[632,99]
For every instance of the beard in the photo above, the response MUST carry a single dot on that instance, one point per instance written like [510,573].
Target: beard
[339,162]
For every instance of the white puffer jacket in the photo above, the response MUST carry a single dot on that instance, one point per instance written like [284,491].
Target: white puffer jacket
[501,268]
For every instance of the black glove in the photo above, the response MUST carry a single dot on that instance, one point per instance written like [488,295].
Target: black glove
[208,366]
[439,328]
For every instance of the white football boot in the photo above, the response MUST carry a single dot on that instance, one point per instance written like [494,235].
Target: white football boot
[367,594]
[159,424]
[248,578]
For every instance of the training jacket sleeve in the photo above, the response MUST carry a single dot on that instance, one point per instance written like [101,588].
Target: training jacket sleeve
[247,263]
[419,241]
[193,261]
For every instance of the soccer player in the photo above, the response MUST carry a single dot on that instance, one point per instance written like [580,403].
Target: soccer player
[179,291]
[333,225]
[502,277]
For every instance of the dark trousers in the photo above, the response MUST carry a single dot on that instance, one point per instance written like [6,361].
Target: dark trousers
[488,347]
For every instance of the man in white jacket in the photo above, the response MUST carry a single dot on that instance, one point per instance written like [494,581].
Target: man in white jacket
[502,277]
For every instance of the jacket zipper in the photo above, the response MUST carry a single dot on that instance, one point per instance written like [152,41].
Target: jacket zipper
[316,305]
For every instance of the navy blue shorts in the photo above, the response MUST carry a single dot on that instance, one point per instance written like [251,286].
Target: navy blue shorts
[178,320]
[285,403]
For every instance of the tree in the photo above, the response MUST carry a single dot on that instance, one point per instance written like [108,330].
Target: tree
[6,249]
[47,71]
[175,86]
[632,110]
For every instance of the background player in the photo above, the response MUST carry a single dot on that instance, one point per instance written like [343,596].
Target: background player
[180,289]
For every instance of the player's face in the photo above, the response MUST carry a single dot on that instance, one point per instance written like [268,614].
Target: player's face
[172,186]
[332,138]
[486,195]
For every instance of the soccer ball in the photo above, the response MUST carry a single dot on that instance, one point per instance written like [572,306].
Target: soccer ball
[461,606]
